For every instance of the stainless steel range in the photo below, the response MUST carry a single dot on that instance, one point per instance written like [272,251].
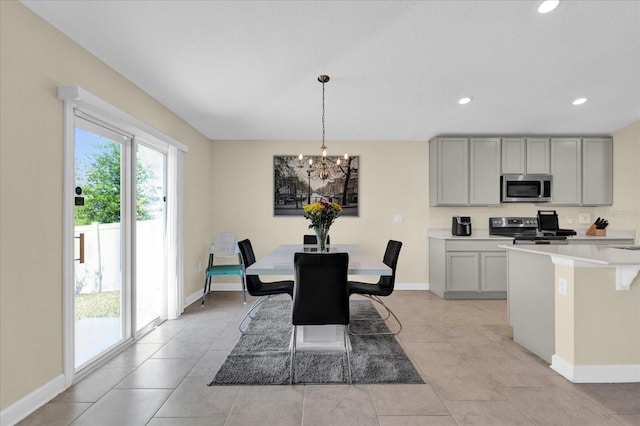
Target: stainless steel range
[524,230]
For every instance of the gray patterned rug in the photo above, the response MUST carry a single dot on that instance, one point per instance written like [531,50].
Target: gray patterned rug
[261,356]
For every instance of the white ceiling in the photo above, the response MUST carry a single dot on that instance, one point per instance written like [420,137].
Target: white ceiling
[248,69]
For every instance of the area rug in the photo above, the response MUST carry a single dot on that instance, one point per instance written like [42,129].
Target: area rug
[261,356]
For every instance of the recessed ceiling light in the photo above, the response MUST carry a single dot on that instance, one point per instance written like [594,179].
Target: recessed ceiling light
[465,100]
[548,5]
[580,101]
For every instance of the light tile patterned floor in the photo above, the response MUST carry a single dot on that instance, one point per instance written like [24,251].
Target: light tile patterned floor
[474,373]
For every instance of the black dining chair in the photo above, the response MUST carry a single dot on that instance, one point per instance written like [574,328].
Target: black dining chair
[320,296]
[312,239]
[255,286]
[384,286]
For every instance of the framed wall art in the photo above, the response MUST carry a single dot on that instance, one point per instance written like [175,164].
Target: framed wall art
[298,181]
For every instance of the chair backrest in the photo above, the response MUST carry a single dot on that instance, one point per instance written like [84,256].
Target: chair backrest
[320,293]
[224,245]
[249,258]
[312,239]
[390,259]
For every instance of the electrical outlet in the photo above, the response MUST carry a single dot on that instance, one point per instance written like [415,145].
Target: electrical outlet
[199,266]
[562,286]
[398,218]
[584,218]
[570,220]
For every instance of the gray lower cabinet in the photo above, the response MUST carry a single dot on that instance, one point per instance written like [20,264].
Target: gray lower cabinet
[462,271]
[467,269]
[493,270]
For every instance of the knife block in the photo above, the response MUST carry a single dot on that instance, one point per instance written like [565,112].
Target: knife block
[596,232]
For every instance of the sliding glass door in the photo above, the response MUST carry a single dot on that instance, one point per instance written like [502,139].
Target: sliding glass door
[120,226]
[100,283]
[150,270]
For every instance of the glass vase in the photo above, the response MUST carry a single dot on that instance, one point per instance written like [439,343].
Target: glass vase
[321,238]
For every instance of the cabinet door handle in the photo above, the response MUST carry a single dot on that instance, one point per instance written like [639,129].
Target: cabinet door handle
[81,238]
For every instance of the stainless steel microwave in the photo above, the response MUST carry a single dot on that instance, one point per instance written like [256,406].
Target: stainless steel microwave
[526,188]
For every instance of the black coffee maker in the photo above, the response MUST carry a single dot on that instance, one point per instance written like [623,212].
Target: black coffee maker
[461,226]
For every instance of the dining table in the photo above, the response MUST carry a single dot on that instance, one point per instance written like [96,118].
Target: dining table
[326,338]
[280,260]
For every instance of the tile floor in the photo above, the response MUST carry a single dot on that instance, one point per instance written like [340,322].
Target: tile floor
[473,371]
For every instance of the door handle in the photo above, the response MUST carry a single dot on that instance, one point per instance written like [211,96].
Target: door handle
[81,238]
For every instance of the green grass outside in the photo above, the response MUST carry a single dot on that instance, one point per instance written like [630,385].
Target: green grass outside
[98,305]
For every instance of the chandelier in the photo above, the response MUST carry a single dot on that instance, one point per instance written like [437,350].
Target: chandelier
[323,169]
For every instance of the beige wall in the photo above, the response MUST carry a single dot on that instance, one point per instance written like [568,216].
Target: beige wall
[609,336]
[595,323]
[35,59]
[565,315]
[625,211]
[393,178]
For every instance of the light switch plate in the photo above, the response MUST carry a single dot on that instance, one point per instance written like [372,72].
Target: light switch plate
[398,218]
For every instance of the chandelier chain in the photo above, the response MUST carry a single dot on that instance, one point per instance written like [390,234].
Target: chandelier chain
[323,127]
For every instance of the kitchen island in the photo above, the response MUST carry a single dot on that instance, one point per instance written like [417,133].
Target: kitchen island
[578,307]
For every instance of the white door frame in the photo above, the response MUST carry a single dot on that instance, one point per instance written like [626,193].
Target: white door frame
[76,97]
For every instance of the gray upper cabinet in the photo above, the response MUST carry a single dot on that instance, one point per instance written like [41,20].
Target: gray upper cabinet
[464,171]
[484,185]
[566,168]
[449,172]
[513,156]
[538,156]
[526,156]
[582,170]
[597,171]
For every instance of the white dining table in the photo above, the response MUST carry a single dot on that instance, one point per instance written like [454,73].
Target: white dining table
[280,262]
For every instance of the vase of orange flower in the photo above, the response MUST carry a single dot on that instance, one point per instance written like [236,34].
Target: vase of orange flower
[322,214]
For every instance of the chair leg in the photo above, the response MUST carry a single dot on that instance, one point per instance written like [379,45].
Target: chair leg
[207,280]
[292,357]
[346,348]
[389,314]
[244,289]
[257,303]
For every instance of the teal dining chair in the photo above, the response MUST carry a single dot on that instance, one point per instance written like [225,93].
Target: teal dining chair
[224,246]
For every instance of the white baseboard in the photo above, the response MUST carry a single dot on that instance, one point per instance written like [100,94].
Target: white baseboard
[214,287]
[30,403]
[626,373]
[412,286]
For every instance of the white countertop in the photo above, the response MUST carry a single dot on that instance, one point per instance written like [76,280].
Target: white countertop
[483,234]
[626,262]
[477,234]
[596,254]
